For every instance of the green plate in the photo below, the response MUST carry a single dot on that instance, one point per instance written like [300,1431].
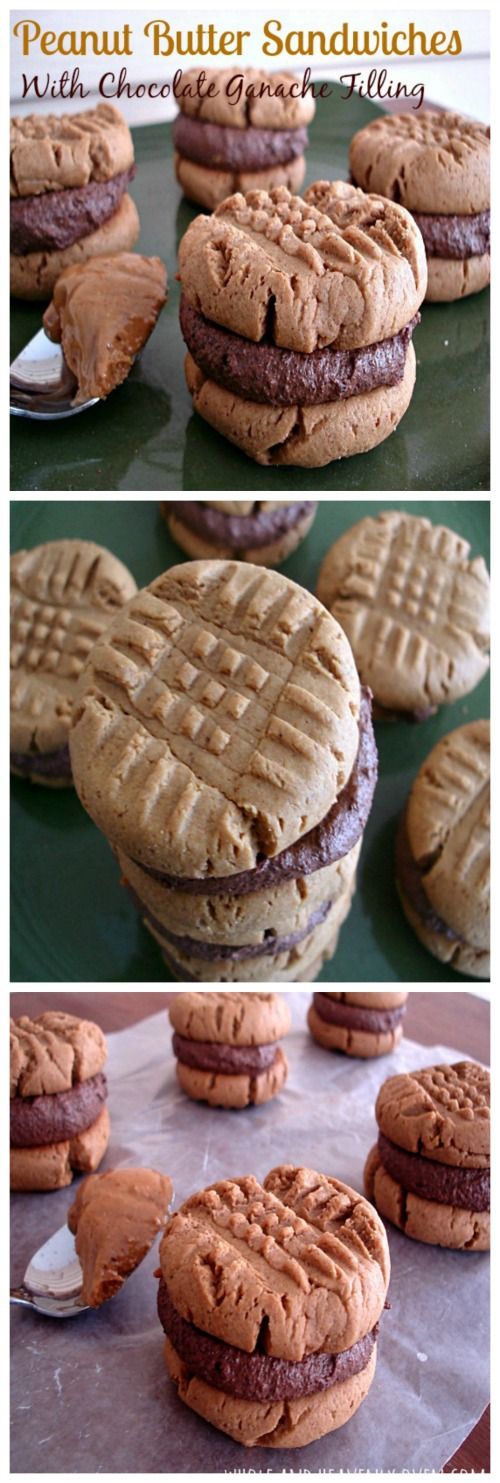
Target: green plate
[146,436]
[71,919]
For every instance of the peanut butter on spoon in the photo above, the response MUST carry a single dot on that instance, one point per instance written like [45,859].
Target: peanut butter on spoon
[102,312]
[115,1219]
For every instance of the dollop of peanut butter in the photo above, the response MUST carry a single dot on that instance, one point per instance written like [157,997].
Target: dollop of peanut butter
[115,1219]
[102,312]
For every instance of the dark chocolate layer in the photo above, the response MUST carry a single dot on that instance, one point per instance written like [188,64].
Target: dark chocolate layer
[454,236]
[240,532]
[410,876]
[258,1376]
[376,1021]
[212,951]
[47,764]
[35,1121]
[57,219]
[227,1060]
[265,373]
[330,840]
[221,147]
[469,1189]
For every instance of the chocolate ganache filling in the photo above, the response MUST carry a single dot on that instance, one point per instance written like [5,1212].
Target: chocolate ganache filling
[44,764]
[448,1185]
[222,147]
[57,219]
[266,373]
[258,1376]
[454,236]
[328,841]
[354,1017]
[239,531]
[213,951]
[228,1060]
[54,1116]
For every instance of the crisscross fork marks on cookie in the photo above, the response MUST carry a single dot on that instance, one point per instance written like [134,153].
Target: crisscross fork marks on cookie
[52,639]
[309,1289]
[188,704]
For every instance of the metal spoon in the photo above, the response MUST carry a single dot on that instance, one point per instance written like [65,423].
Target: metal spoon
[41,385]
[53,1279]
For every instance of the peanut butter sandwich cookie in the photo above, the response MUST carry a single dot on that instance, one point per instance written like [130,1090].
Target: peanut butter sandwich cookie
[443,851]
[226,1046]
[298,317]
[429,1172]
[438,166]
[102,313]
[263,531]
[63,595]
[363,1025]
[59,1121]
[415,608]
[115,1218]
[270,1298]
[69,175]
[228,142]
[222,743]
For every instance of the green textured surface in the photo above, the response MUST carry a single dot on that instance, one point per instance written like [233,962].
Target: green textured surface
[71,920]
[146,437]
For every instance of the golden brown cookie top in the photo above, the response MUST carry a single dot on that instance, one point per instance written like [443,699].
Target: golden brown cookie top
[217,720]
[51,152]
[53,1052]
[63,595]
[441,1113]
[375,1000]
[436,162]
[230,1019]
[247,110]
[414,605]
[448,829]
[245,506]
[103,311]
[272,264]
[115,1219]
[301,1260]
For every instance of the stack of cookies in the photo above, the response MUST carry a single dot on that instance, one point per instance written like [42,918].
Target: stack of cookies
[239,140]
[68,184]
[222,743]
[59,1120]
[263,531]
[443,851]
[298,317]
[429,1172]
[360,1024]
[270,1298]
[226,1046]
[438,165]
[63,595]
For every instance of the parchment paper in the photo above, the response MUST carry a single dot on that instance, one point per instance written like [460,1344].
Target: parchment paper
[91,1394]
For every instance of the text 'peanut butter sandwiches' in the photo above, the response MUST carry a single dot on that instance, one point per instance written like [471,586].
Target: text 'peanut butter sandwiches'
[227,1046]
[270,1297]
[298,317]
[438,166]
[63,595]
[429,1172]
[59,1121]
[69,175]
[262,531]
[223,744]
[240,138]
